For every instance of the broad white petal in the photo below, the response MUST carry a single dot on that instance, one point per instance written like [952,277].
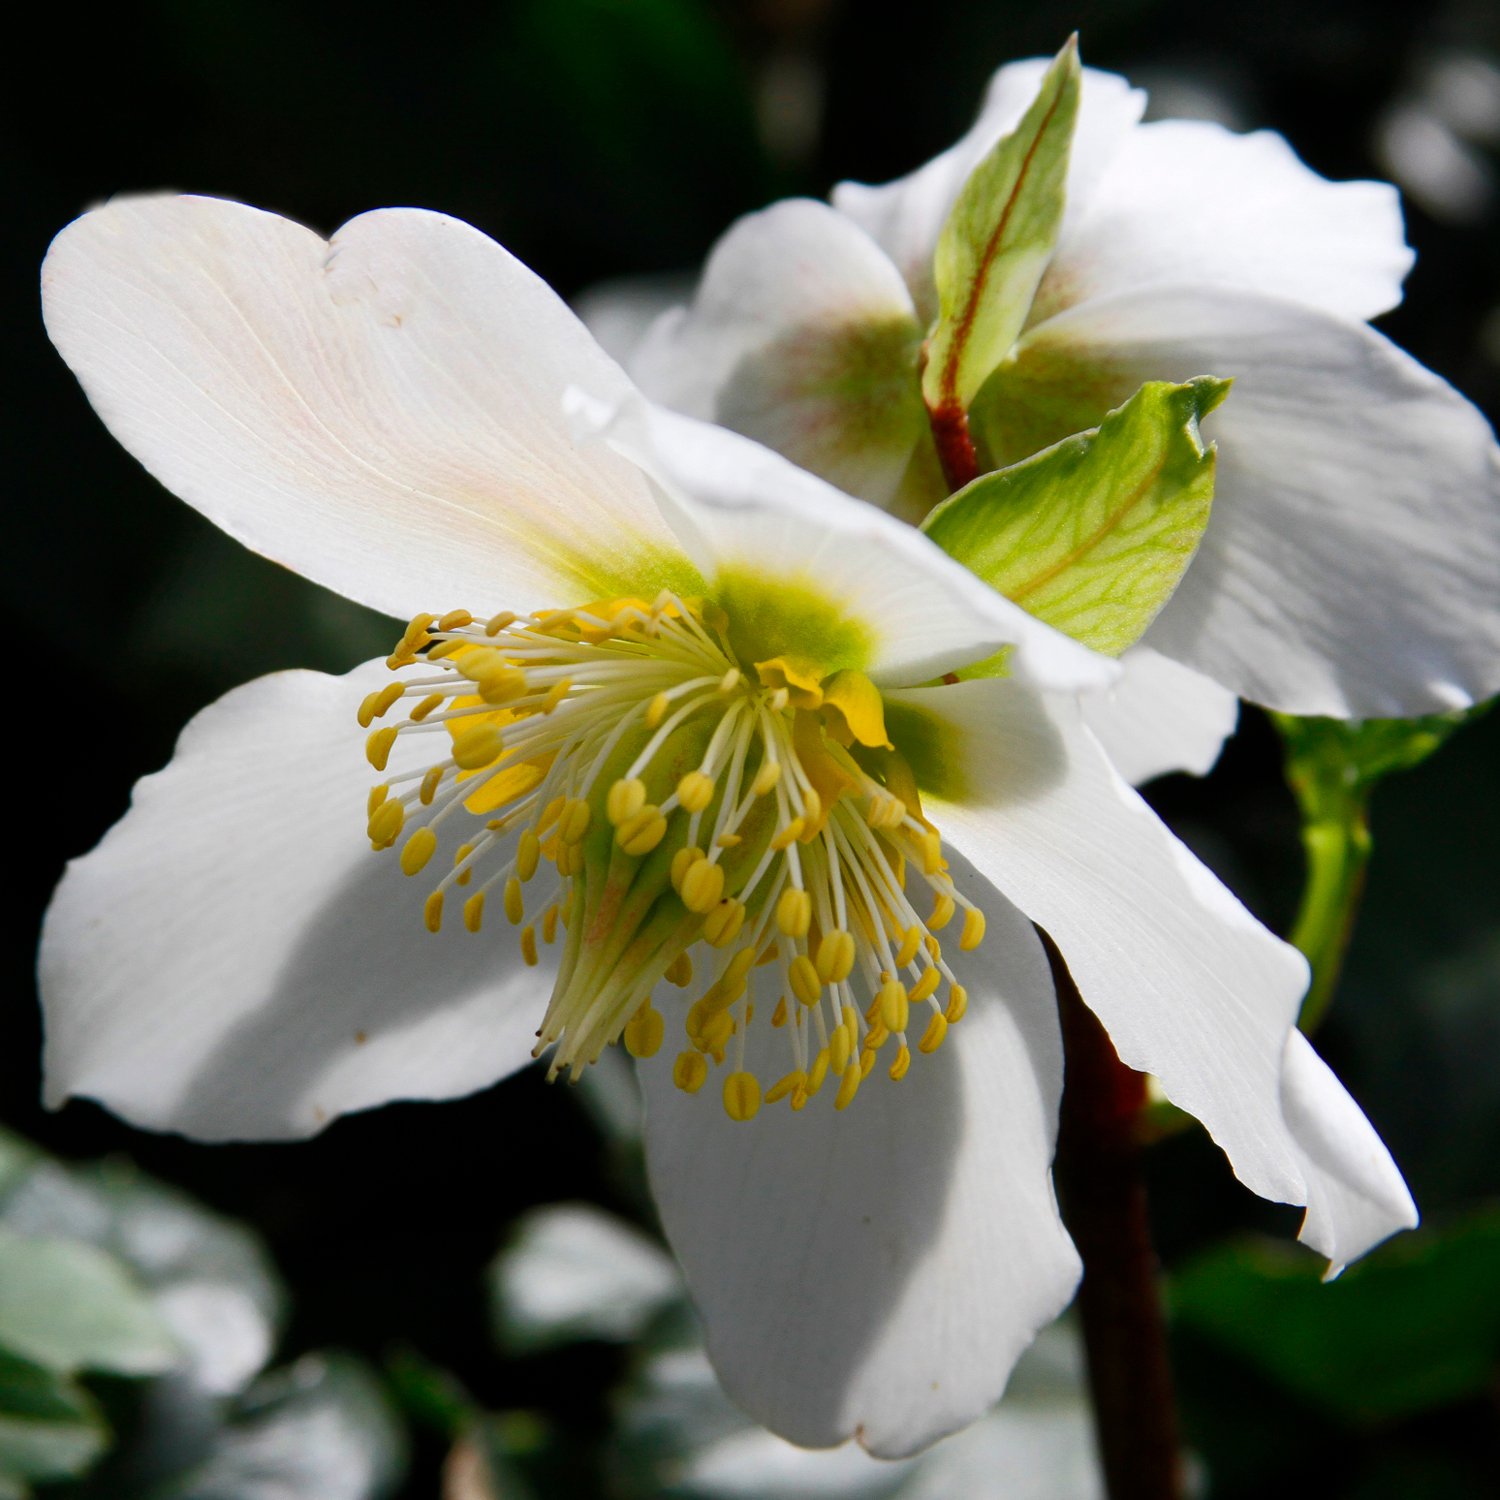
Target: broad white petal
[802,335]
[380,412]
[234,962]
[1351,566]
[1188,984]
[906,216]
[739,507]
[1189,202]
[1160,716]
[876,1272]
[1356,1195]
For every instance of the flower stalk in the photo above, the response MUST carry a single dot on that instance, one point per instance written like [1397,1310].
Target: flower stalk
[1103,1192]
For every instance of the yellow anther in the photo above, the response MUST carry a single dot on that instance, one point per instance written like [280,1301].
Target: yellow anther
[549,924]
[730,680]
[501,685]
[926,985]
[644,1032]
[778,1016]
[768,954]
[934,949]
[455,619]
[378,794]
[432,912]
[556,693]
[812,809]
[766,778]
[932,1038]
[876,1037]
[569,859]
[496,623]
[444,649]
[798,1100]
[625,799]
[849,1084]
[689,1071]
[550,814]
[973,933]
[639,835]
[866,1061]
[528,854]
[479,662]
[835,956]
[680,971]
[515,906]
[779,700]
[656,710]
[713,1028]
[722,925]
[728,841]
[378,703]
[789,1084]
[477,747]
[901,1064]
[803,978]
[419,848]
[474,911]
[794,912]
[695,791]
[385,824]
[574,822]
[788,835]
[958,1004]
[840,1048]
[911,943]
[378,746]
[416,630]
[741,1096]
[426,706]
[428,789]
[528,945]
[682,862]
[943,908]
[894,1005]
[818,1072]
[932,853]
[702,887]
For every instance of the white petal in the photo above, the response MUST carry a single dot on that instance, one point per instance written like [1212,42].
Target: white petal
[1191,203]
[1188,984]
[381,413]
[876,1272]
[738,506]
[906,216]
[233,961]
[802,335]
[1160,716]
[1352,563]
[1356,1196]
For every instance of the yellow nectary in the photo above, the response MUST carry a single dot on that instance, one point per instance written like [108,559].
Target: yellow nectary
[673,797]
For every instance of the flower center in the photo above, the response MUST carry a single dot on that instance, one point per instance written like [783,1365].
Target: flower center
[622,786]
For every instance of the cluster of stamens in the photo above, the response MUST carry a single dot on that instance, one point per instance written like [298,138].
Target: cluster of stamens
[628,791]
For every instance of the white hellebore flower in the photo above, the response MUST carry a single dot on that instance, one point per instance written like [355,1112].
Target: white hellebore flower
[1350,564]
[697,763]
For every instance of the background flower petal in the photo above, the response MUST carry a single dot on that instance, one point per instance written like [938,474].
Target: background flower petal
[1160,716]
[1189,202]
[233,961]
[876,1272]
[381,412]
[801,335]
[1352,562]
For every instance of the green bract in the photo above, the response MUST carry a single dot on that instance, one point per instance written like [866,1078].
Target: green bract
[1093,534]
[997,242]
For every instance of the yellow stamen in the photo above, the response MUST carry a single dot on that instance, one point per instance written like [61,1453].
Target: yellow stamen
[644,1032]
[741,1096]
[689,1071]
[419,848]
[973,933]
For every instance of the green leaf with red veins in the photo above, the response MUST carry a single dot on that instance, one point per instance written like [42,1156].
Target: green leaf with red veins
[997,242]
[1092,535]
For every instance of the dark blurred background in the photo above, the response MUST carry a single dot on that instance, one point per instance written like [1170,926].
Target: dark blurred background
[598,138]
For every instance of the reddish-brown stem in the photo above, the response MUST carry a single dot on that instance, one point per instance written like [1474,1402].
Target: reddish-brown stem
[1103,1194]
[955,445]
